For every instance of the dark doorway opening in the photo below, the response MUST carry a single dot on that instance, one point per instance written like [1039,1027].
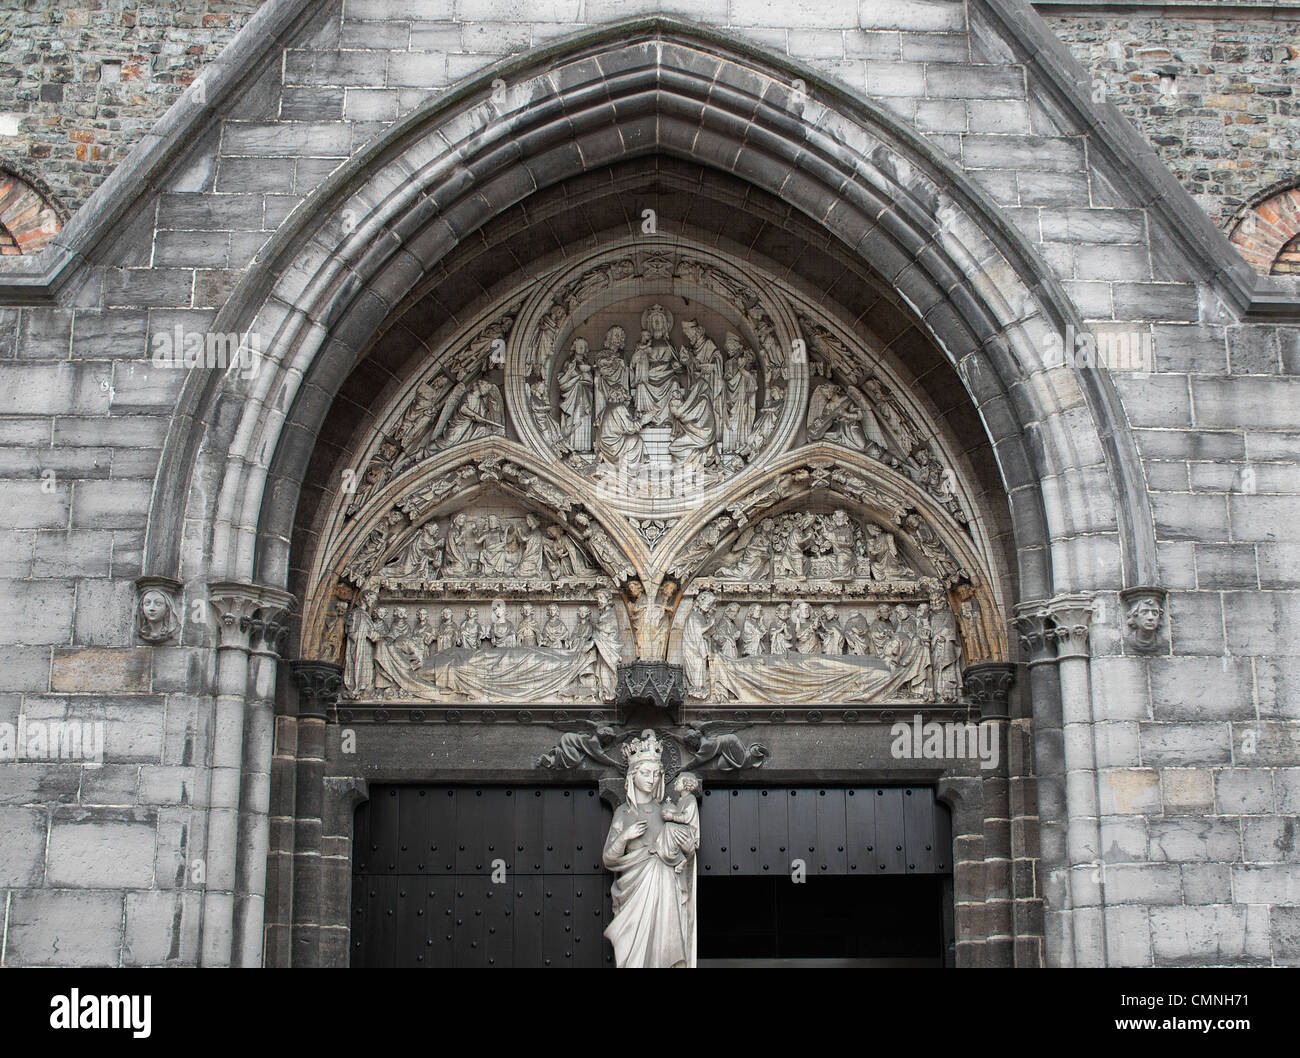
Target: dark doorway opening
[882,920]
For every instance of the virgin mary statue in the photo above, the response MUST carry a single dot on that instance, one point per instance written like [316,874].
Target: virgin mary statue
[651,846]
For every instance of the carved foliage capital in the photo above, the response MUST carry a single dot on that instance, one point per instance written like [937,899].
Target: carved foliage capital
[319,684]
[250,617]
[1072,624]
[988,685]
[1034,627]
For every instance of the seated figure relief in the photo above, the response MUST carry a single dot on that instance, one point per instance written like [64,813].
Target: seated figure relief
[677,400]
[493,549]
[816,550]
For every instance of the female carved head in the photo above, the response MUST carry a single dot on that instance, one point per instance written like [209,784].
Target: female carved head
[158,621]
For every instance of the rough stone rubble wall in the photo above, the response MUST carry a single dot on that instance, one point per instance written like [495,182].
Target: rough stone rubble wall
[1218,99]
[1200,760]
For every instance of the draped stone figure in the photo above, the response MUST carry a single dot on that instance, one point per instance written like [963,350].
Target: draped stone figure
[480,412]
[841,414]
[457,560]
[695,645]
[753,632]
[359,657]
[741,381]
[576,396]
[695,427]
[608,641]
[653,368]
[704,361]
[651,846]
[946,650]
[611,373]
[619,440]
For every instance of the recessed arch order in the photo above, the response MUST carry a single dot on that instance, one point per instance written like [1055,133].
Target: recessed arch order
[239,446]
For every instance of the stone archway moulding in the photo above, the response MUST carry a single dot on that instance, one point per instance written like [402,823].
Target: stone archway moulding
[325,283]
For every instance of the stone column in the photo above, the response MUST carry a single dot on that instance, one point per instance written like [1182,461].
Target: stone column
[319,684]
[1071,617]
[1039,852]
[235,606]
[268,633]
[988,686]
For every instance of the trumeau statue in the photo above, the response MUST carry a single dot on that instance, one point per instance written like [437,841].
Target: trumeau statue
[651,846]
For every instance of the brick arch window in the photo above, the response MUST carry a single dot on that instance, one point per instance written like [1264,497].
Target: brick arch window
[1267,234]
[28,218]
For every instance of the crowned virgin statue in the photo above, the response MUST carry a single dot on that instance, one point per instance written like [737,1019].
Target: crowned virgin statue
[651,846]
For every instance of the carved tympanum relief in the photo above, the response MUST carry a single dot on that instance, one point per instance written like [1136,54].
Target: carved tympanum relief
[652,455]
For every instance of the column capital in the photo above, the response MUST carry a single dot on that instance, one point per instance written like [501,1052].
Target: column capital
[1033,624]
[319,683]
[1072,624]
[250,617]
[988,685]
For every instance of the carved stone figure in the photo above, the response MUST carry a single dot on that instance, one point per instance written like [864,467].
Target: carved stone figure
[576,748]
[611,373]
[608,641]
[459,562]
[1142,618]
[157,617]
[751,560]
[882,553]
[619,440]
[501,632]
[653,368]
[704,363]
[709,744]
[804,626]
[471,632]
[479,412]
[359,656]
[654,858]
[493,556]
[779,637]
[555,633]
[946,650]
[842,415]
[420,559]
[725,637]
[830,632]
[696,646]
[694,427]
[841,539]
[753,632]
[741,380]
[527,633]
[576,399]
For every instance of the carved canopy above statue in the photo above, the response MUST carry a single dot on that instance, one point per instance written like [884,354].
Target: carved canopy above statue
[653,454]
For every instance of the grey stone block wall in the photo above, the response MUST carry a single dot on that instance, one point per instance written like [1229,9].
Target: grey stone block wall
[1198,748]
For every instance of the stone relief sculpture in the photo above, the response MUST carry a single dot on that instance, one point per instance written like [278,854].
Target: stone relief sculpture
[453,405]
[496,652]
[651,846]
[157,618]
[692,396]
[816,548]
[1143,613]
[718,745]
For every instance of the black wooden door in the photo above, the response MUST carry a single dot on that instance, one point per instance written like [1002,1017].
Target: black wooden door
[479,876]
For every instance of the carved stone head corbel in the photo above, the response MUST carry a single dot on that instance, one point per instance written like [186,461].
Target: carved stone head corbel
[157,611]
[1143,612]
